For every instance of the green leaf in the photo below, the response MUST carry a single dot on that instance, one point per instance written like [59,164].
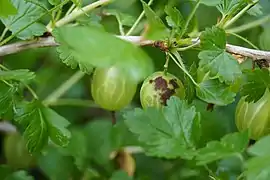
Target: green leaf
[85,46]
[18,75]
[5,171]
[229,145]
[255,10]
[27,12]
[77,148]
[99,140]
[156,30]
[57,124]
[54,2]
[190,87]
[220,64]
[214,92]
[231,7]
[40,124]
[256,82]
[55,165]
[257,168]
[19,175]
[171,132]
[209,2]
[122,18]
[264,39]
[120,175]
[261,147]
[213,39]
[7,99]
[7,8]
[175,19]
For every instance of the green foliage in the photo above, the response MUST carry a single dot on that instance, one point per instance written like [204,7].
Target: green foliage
[212,91]
[229,145]
[156,28]
[75,51]
[256,82]
[172,132]
[40,124]
[7,8]
[258,167]
[27,12]
[120,175]
[214,58]
[66,133]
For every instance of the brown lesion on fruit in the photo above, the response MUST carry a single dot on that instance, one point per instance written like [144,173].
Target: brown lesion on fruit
[164,88]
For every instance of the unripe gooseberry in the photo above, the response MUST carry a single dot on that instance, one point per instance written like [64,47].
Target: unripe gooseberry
[111,88]
[254,116]
[16,153]
[158,88]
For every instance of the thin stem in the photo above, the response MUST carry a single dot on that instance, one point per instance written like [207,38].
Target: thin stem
[3,33]
[184,70]
[63,88]
[77,13]
[120,26]
[237,16]
[211,173]
[31,91]
[74,102]
[25,27]
[190,17]
[250,25]
[166,65]
[138,20]
[244,39]
[188,47]
[71,9]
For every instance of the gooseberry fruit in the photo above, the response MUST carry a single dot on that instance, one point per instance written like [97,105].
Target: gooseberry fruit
[16,152]
[254,116]
[158,88]
[111,88]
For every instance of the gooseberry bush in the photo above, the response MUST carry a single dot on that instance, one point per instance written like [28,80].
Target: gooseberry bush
[129,89]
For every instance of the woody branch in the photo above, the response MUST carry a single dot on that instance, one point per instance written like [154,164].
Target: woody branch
[138,40]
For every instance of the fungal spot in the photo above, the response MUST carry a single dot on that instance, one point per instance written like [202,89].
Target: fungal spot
[160,84]
[151,81]
[173,82]
[164,96]
[165,92]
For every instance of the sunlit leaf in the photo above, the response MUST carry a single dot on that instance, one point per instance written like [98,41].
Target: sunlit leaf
[27,13]
[170,133]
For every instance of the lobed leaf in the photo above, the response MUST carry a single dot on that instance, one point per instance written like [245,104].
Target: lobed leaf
[85,47]
[27,13]
[171,132]
[220,64]
[41,123]
[213,39]
[156,29]
[18,75]
[229,145]
[214,92]
[256,82]
[175,19]
[7,101]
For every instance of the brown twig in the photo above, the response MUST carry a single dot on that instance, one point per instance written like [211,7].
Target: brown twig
[138,40]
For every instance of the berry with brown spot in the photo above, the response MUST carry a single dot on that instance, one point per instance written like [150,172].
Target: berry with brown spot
[158,88]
